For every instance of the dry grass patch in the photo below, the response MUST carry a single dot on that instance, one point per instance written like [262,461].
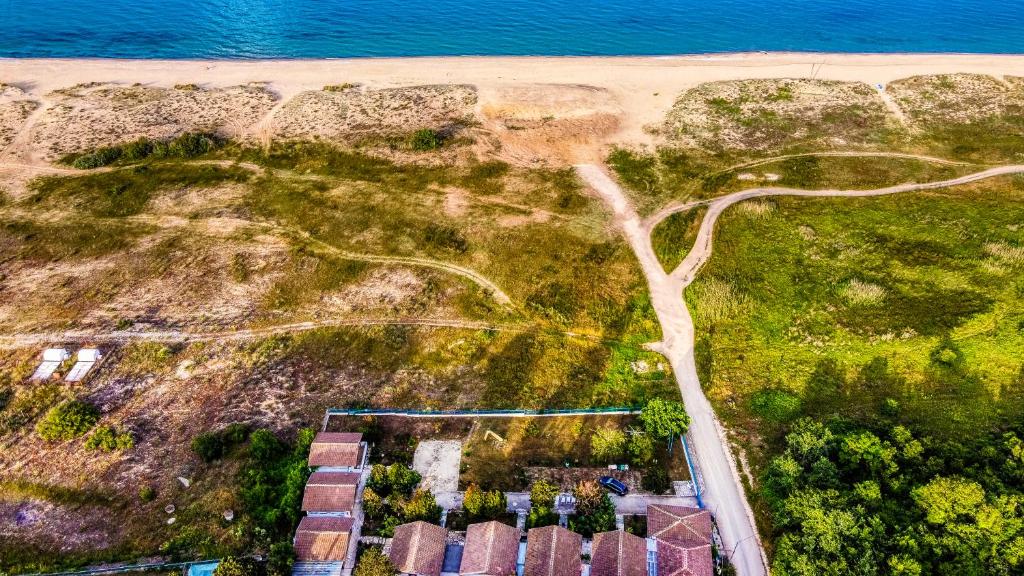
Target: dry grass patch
[15,108]
[93,115]
[337,114]
[956,98]
[761,115]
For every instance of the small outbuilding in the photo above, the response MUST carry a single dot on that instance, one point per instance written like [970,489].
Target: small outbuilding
[52,359]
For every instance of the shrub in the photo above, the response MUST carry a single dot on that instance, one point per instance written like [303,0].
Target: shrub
[147,493]
[421,506]
[395,479]
[97,158]
[608,444]
[281,559]
[138,150]
[232,566]
[594,509]
[425,139]
[374,562]
[108,439]
[481,505]
[210,446]
[67,421]
[264,446]
[542,504]
[191,144]
[656,480]
[641,449]
[447,237]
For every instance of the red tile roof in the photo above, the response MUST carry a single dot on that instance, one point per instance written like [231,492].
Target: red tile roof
[335,449]
[553,551]
[418,548]
[492,549]
[322,538]
[330,492]
[684,540]
[618,554]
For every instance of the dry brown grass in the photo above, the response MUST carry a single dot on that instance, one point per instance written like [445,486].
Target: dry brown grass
[772,114]
[92,115]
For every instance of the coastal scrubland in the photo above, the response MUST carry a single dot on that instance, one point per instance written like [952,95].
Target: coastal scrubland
[439,279]
[864,354]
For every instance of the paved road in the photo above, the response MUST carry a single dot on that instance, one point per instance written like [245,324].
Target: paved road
[724,495]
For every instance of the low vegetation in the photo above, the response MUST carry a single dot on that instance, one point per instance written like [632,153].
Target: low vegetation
[391,499]
[67,421]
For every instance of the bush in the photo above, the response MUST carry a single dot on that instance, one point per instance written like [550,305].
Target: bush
[447,237]
[641,449]
[147,493]
[594,509]
[191,144]
[137,150]
[656,480]
[264,446]
[68,421]
[108,439]
[421,506]
[210,446]
[608,444]
[232,566]
[281,559]
[97,158]
[480,505]
[374,562]
[542,504]
[425,139]
[395,479]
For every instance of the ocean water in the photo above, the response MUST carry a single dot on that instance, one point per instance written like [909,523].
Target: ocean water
[349,28]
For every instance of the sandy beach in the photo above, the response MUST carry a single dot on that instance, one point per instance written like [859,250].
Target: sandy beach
[637,90]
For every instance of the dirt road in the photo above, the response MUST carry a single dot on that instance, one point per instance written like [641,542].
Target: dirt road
[724,495]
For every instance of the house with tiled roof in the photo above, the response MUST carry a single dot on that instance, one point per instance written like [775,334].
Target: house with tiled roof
[322,538]
[330,492]
[553,551]
[683,537]
[618,553]
[336,450]
[491,549]
[418,548]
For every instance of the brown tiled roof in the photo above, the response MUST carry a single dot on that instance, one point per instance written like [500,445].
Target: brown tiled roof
[678,523]
[553,551]
[322,538]
[338,449]
[492,549]
[684,540]
[418,548]
[330,492]
[618,554]
[693,559]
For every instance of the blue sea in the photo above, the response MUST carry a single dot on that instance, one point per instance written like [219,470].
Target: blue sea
[351,28]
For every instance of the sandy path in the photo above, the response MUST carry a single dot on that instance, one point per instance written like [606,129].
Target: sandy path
[123,336]
[725,496]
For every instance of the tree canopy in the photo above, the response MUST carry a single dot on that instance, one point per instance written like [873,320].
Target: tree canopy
[663,418]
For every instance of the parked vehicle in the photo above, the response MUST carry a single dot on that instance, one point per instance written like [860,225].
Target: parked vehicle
[613,485]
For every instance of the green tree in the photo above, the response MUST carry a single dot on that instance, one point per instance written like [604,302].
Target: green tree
[373,504]
[608,444]
[595,511]
[481,505]
[664,418]
[67,421]
[373,562]
[421,506]
[542,504]
[280,559]
[641,449]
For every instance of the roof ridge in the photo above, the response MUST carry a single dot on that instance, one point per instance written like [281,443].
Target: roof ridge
[622,541]
[554,547]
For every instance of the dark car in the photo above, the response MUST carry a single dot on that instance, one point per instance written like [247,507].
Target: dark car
[613,485]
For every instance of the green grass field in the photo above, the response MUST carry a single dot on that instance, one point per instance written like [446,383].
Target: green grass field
[850,307]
